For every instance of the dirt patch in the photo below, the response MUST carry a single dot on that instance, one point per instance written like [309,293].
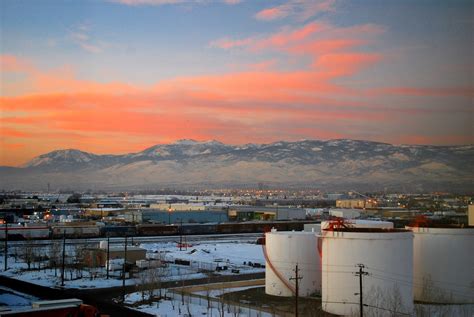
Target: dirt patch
[279,306]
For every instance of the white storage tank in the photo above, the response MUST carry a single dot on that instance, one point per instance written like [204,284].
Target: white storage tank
[283,250]
[444,264]
[312,227]
[387,256]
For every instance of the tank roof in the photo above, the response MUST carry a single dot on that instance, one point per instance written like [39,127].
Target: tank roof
[367,230]
[443,226]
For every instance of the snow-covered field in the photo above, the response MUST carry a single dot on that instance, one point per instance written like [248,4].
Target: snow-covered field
[208,255]
[191,305]
[204,257]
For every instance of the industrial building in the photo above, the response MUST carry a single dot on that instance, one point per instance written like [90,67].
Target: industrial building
[179,207]
[175,216]
[246,213]
[345,213]
[95,257]
[356,203]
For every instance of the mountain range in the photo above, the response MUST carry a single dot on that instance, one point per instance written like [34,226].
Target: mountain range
[334,165]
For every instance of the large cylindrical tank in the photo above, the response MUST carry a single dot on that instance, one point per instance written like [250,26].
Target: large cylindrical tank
[387,257]
[444,265]
[285,250]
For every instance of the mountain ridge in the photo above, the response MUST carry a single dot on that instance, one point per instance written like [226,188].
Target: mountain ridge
[332,163]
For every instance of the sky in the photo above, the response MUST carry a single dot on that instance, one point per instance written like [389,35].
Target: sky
[118,76]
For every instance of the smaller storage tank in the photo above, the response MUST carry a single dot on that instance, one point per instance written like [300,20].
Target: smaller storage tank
[444,264]
[312,227]
[283,251]
[387,258]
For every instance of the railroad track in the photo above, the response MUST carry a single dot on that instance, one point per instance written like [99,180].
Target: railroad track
[137,240]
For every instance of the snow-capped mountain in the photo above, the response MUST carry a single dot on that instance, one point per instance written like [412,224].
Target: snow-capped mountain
[333,164]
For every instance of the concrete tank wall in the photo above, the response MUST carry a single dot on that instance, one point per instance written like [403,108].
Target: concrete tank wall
[388,258]
[285,250]
[444,265]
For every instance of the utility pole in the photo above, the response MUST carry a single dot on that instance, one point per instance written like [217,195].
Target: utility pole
[6,244]
[124,268]
[360,274]
[108,254]
[64,258]
[296,278]
[181,236]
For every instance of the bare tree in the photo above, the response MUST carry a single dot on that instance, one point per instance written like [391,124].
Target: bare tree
[384,302]
[142,284]
[188,306]
[27,253]
[55,256]
[208,296]
[221,303]
[432,293]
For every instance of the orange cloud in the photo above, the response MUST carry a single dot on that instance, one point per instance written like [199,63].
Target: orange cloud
[315,36]
[272,13]
[10,63]
[277,40]
[300,9]
[238,107]
[343,64]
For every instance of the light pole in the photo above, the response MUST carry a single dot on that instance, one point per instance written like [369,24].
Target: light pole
[124,269]
[6,245]
[64,258]
[108,254]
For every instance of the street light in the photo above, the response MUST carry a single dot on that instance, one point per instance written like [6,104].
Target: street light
[169,215]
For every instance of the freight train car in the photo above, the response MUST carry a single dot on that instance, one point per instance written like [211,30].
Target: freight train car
[19,232]
[198,229]
[224,228]
[118,231]
[157,230]
[75,231]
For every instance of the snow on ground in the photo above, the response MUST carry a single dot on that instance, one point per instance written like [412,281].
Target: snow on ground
[204,256]
[192,306]
[15,300]
[168,309]
[226,253]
